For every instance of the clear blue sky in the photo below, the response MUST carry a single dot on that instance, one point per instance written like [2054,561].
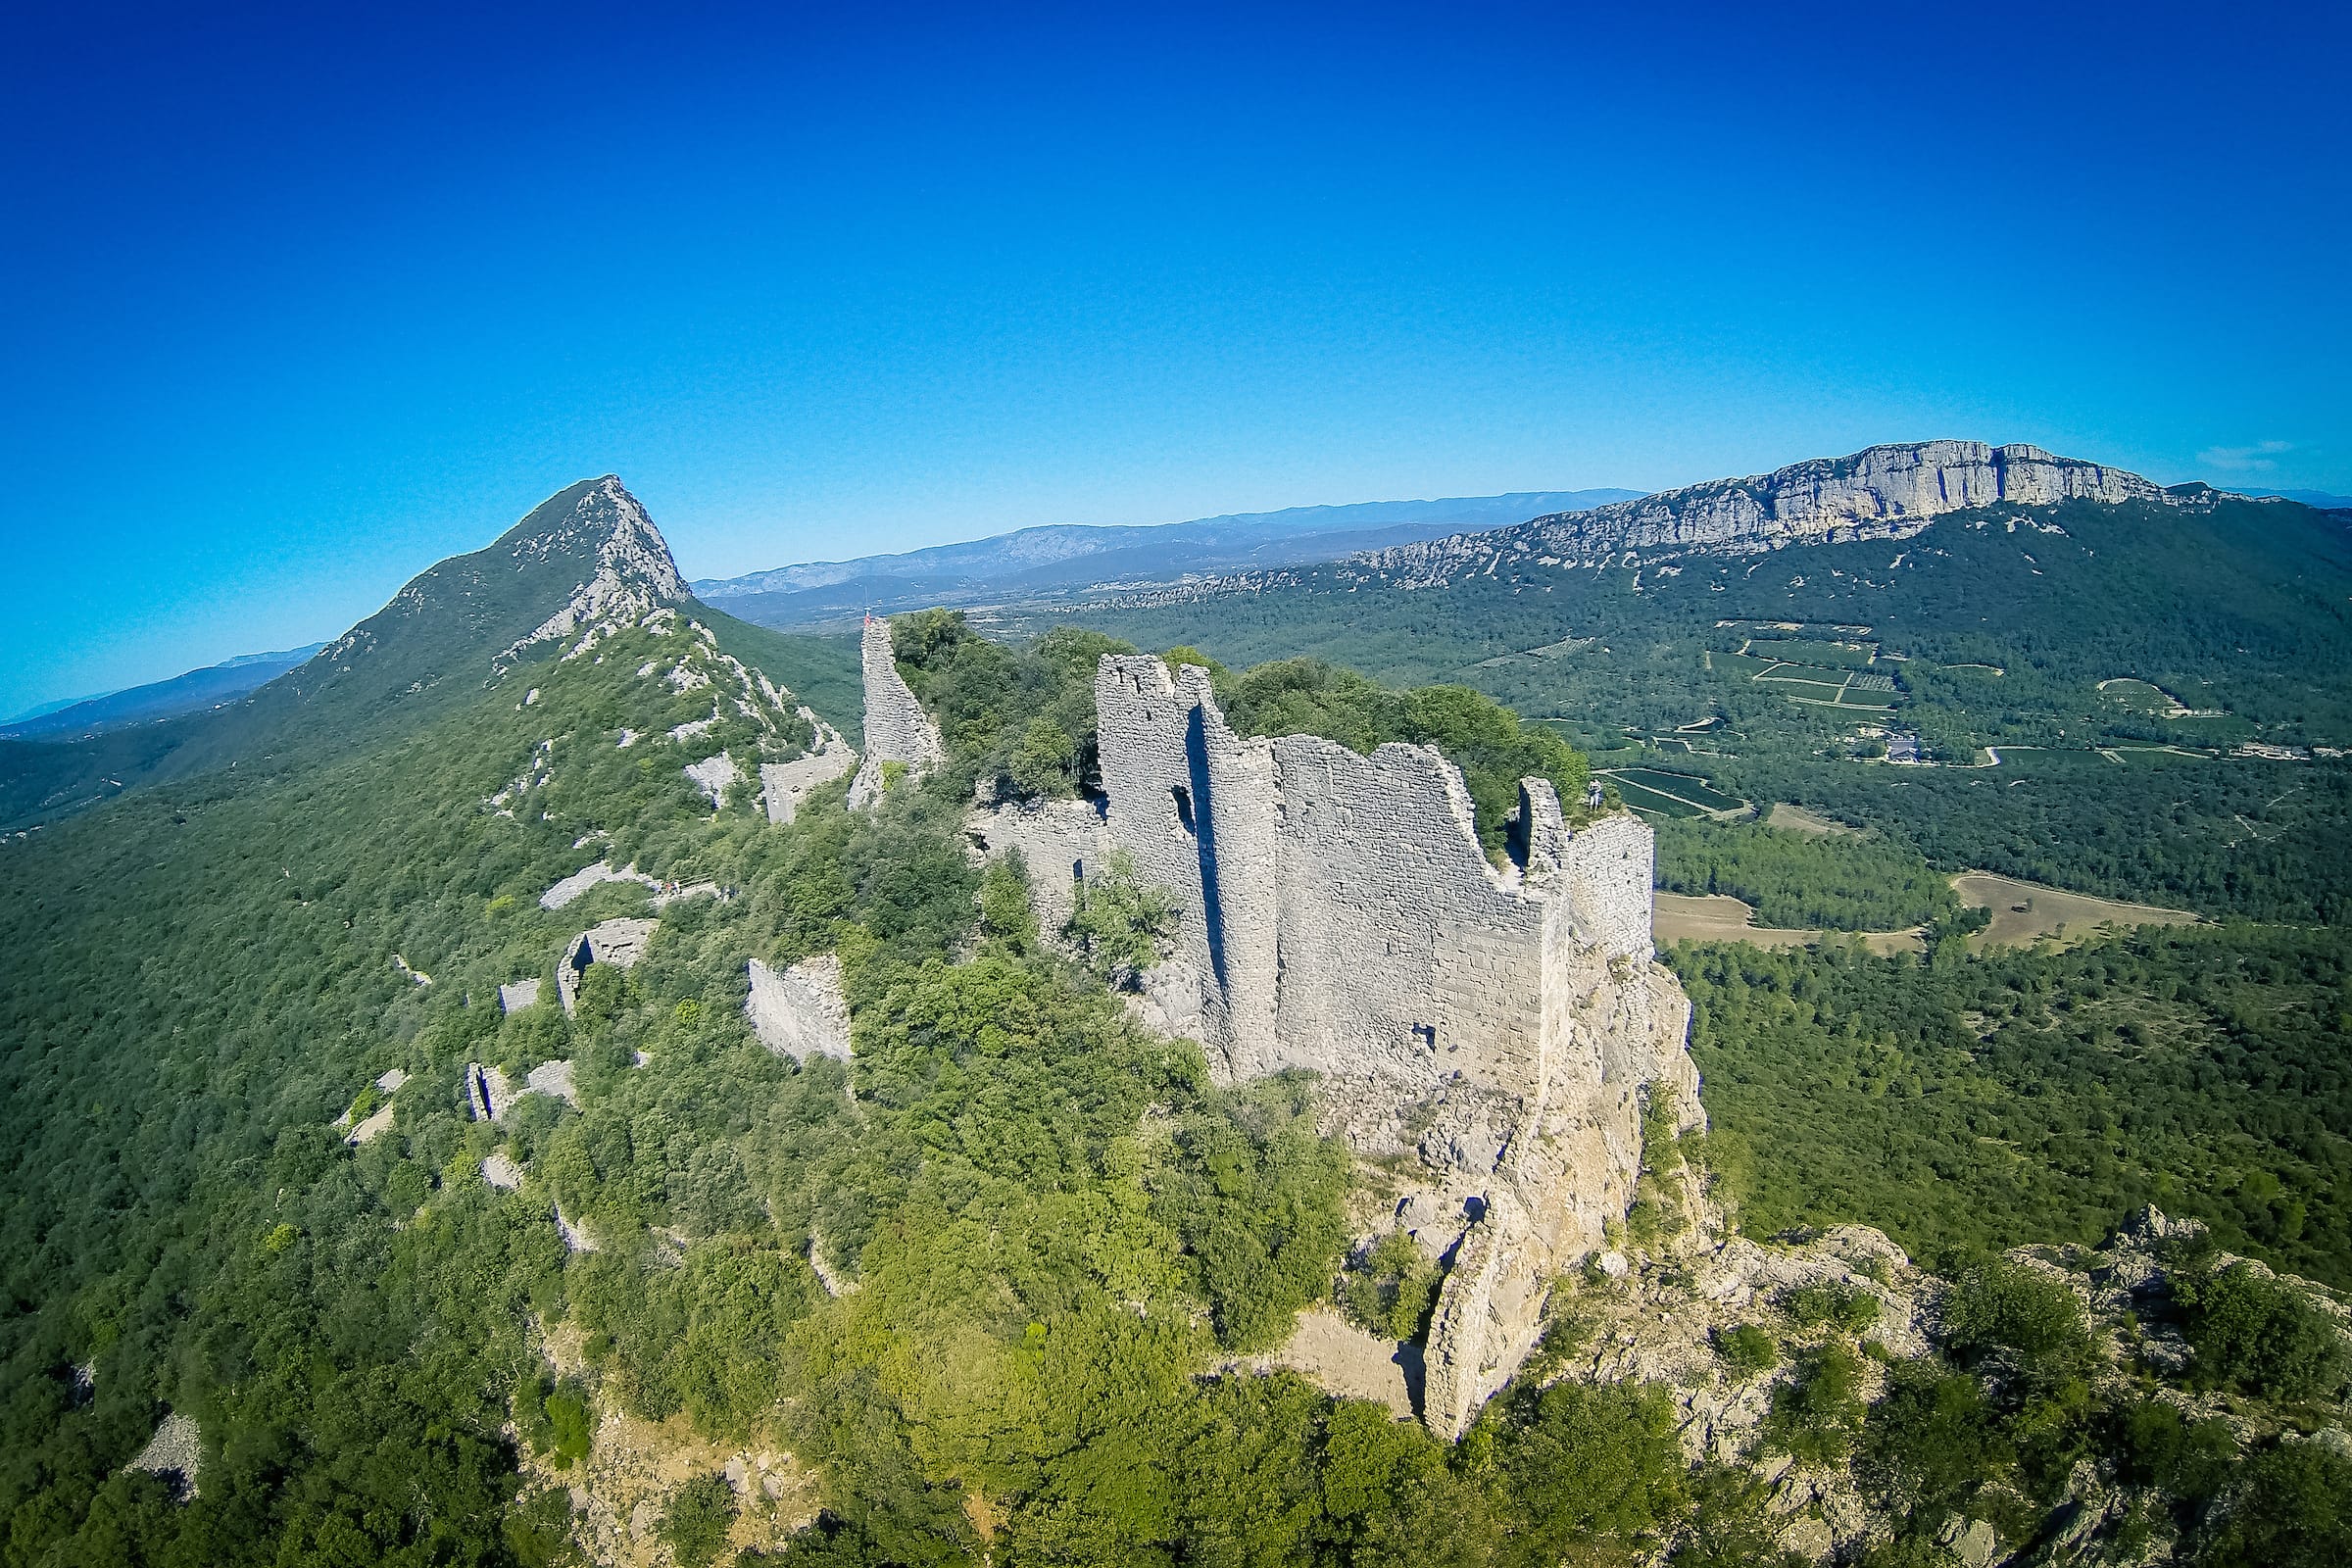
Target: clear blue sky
[296,304]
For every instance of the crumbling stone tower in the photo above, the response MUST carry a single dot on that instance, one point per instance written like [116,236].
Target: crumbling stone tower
[897,729]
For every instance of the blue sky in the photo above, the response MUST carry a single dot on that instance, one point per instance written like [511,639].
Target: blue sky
[300,301]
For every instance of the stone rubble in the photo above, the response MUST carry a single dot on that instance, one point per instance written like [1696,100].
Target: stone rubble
[176,1452]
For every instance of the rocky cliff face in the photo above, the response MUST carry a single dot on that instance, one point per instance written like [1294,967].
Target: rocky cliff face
[1880,492]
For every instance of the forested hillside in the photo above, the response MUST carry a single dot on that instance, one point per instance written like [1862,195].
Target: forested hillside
[994,1284]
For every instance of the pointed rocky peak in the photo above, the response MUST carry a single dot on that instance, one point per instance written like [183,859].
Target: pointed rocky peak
[633,573]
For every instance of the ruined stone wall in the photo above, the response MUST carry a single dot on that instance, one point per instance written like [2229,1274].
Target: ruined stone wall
[1336,911]
[1061,842]
[897,729]
[784,785]
[1504,1025]
[799,1011]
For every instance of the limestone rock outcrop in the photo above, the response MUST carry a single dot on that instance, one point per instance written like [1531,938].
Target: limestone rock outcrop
[897,729]
[634,572]
[1882,492]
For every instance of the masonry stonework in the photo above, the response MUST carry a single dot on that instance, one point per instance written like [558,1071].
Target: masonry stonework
[1505,1027]
[897,729]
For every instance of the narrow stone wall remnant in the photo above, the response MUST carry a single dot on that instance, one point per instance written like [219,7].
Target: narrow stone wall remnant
[897,729]
[799,1011]
[783,786]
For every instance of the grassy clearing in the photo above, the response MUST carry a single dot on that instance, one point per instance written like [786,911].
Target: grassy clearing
[2025,912]
[1797,820]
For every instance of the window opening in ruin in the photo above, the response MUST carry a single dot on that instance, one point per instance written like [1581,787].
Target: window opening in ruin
[1426,1035]
[1516,830]
[1184,807]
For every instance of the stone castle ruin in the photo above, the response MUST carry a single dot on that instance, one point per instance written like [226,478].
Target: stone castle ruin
[897,729]
[1502,1029]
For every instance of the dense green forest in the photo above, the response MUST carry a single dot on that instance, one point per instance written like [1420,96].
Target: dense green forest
[1833,883]
[1964,1103]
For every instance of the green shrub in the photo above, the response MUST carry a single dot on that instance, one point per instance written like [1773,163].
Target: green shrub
[1586,1473]
[694,1524]
[1746,1350]
[2006,1305]
[1848,1307]
[2255,1334]
[1391,1291]
[1117,921]
[2291,1507]
[1816,1413]
[1933,1439]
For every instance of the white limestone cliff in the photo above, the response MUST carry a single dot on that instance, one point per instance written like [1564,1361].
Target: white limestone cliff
[1882,492]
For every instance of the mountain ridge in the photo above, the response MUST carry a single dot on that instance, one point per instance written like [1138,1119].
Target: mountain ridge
[1024,549]
[206,686]
[1066,559]
[1892,490]
[589,551]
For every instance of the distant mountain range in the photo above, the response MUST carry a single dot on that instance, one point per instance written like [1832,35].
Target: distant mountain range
[1044,561]
[208,687]
[2325,500]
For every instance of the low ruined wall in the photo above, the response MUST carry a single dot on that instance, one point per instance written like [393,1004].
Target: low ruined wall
[1059,842]
[897,729]
[619,942]
[783,786]
[799,1011]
